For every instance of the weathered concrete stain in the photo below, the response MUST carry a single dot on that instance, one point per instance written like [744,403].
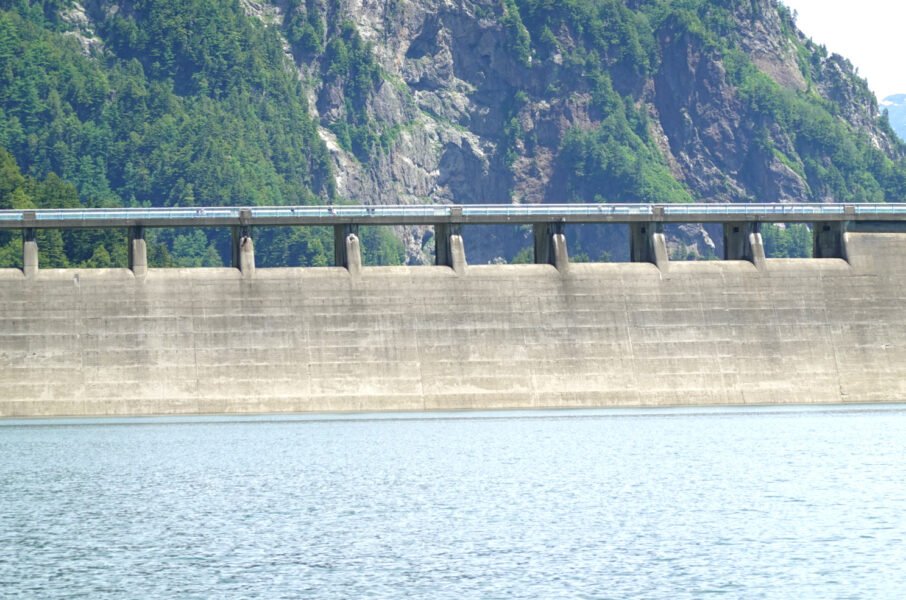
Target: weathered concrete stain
[103,342]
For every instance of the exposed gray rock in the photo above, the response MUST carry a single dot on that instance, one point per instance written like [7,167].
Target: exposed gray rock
[450,89]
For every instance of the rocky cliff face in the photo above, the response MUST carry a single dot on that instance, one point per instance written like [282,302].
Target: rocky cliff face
[526,101]
[473,122]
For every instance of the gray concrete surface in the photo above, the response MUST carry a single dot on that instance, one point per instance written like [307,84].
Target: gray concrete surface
[105,342]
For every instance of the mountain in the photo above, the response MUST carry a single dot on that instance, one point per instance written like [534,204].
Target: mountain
[896,113]
[212,102]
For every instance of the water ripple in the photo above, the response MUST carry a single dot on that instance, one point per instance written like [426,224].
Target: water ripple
[680,504]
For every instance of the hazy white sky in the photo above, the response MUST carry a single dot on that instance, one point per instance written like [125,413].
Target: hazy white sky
[867,32]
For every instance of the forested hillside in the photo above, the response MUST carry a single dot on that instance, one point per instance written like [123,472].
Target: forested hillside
[228,102]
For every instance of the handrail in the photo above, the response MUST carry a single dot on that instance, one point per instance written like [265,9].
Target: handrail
[431,213]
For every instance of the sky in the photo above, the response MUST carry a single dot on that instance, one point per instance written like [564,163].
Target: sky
[867,32]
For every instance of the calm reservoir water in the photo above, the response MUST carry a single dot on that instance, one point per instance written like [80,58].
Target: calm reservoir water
[744,503]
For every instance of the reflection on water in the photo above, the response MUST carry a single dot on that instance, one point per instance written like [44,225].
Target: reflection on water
[751,503]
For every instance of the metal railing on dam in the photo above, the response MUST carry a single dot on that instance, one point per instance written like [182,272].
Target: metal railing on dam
[431,214]
[741,224]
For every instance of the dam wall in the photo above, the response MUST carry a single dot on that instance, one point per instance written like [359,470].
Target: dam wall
[183,341]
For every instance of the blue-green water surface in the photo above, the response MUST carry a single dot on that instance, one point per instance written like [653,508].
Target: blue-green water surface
[743,503]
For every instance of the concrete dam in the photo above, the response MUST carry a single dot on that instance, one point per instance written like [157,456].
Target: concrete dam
[651,332]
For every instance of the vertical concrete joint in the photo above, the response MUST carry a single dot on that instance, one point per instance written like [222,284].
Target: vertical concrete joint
[138,252]
[29,252]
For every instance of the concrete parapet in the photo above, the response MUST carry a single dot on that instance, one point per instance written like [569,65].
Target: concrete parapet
[29,253]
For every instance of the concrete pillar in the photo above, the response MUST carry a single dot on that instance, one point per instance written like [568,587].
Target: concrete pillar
[448,247]
[756,244]
[346,248]
[29,252]
[247,257]
[742,241]
[550,245]
[560,253]
[138,252]
[647,244]
[829,239]
[243,250]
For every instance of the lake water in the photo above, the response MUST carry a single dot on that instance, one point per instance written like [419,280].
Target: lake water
[744,503]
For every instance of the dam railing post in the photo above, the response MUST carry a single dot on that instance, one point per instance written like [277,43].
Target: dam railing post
[243,247]
[647,244]
[448,247]
[742,241]
[138,251]
[346,248]
[29,252]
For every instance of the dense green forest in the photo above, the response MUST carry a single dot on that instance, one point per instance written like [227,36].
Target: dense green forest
[196,103]
[192,104]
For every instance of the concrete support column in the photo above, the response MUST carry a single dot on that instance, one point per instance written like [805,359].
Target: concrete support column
[138,252]
[756,244]
[550,245]
[830,239]
[346,248]
[559,252]
[246,256]
[29,252]
[647,244]
[448,247]
[243,248]
[742,241]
